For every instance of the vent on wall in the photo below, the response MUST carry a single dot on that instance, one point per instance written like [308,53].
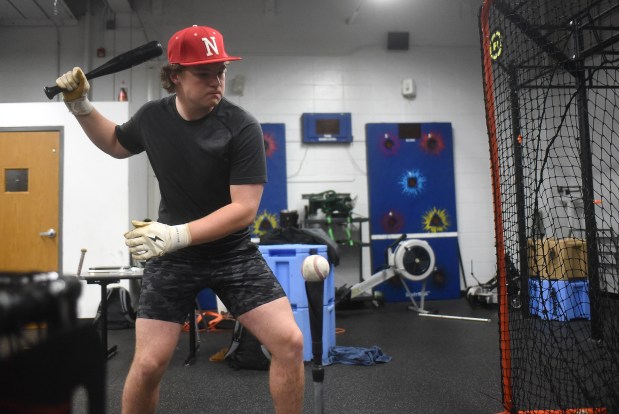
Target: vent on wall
[397,40]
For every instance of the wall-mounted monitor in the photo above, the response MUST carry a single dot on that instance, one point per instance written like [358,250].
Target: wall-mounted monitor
[409,131]
[326,127]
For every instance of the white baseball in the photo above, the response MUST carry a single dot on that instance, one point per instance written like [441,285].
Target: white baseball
[315,268]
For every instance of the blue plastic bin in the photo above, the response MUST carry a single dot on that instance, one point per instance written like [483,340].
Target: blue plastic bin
[207,299]
[301,316]
[534,295]
[563,300]
[285,260]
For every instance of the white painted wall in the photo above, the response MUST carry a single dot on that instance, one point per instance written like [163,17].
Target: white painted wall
[95,206]
[330,74]
[368,84]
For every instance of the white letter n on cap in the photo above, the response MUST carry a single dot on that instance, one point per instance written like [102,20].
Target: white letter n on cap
[210,45]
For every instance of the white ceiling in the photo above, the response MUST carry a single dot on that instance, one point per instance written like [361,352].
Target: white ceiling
[35,13]
[52,12]
[302,27]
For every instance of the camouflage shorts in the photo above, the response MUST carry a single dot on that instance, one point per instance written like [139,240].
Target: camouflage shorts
[242,281]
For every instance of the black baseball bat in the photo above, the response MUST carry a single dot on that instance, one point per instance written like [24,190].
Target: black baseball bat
[121,62]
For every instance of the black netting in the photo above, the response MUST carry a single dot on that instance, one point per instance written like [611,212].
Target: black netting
[551,83]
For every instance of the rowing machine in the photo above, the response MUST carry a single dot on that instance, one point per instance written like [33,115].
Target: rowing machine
[411,259]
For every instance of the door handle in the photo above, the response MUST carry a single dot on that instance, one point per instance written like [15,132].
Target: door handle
[51,233]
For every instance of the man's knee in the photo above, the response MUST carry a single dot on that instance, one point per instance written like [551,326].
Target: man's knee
[148,366]
[296,341]
[290,346]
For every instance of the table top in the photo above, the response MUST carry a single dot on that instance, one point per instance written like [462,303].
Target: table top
[109,275]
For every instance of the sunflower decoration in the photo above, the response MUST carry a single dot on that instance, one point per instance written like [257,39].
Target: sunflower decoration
[413,183]
[432,143]
[436,220]
[270,145]
[264,223]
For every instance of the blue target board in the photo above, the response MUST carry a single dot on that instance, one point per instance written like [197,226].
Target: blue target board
[275,195]
[411,179]
[411,190]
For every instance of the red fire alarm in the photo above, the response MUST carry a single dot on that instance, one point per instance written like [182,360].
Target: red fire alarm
[101,52]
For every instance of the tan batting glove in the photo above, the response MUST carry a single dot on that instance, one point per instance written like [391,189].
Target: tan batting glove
[152,238]
[75,91]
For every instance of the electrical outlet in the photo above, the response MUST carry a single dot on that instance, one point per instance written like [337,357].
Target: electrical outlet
[408,88]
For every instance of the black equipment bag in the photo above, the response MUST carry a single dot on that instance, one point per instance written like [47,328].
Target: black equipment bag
[120,313]
[246,352]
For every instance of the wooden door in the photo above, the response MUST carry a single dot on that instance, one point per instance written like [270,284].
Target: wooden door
[29,201]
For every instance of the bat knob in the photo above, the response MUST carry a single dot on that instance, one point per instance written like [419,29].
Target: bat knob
[51,91]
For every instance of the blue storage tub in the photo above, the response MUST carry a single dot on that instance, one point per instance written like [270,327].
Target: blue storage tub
[534,295]
[301,316]
[285,260]
[561,300]
[207,299]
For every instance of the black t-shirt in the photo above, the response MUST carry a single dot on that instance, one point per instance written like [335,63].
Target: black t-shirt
[196,161]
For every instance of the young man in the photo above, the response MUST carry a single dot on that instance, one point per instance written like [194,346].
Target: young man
[208,155]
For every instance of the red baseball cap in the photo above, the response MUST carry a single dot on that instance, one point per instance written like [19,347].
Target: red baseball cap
[197,45]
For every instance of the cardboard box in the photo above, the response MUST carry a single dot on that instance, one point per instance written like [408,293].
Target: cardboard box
[537,256]
[568,259]
[558,259]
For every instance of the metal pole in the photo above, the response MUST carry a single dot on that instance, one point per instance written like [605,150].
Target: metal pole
[463,318]
[586,161]
[520,194]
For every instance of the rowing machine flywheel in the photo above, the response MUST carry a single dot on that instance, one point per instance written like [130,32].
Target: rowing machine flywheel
[414,259]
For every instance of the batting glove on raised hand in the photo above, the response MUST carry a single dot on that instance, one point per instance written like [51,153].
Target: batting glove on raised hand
[151,239]
[75,91]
